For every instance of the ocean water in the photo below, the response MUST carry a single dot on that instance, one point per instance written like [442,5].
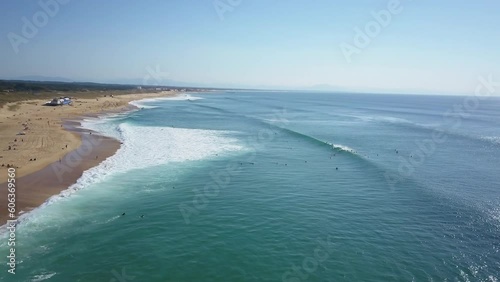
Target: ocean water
[279,186]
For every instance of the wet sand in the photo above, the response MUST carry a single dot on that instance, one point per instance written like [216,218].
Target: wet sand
[34,189]
[63,151]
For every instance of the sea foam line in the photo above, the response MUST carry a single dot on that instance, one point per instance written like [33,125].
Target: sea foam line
[144,147]
[144,103]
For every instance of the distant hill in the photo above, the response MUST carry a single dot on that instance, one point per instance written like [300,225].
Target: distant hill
[43,78]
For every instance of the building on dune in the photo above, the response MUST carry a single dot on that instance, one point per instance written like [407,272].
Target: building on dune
[60,101]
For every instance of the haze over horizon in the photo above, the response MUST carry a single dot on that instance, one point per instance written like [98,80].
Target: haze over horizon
[382,46]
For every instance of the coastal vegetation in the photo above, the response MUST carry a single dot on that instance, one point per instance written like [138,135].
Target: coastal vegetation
[21,90]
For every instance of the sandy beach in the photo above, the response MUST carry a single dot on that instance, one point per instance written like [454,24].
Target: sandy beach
[48,150]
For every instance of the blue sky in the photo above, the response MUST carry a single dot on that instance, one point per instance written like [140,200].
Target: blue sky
[428,47]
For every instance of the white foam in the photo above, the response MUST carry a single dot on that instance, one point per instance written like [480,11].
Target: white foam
[343,148]
[145,147]
[396,120]
[104,125]
[144,103]
[41,277]
[141,104]
[491,139]
[393,119]
[112,219]
[182,97]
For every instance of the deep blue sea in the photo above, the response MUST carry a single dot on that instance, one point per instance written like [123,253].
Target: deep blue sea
[280,186]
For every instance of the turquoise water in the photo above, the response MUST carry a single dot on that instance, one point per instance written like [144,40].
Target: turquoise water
[255,186]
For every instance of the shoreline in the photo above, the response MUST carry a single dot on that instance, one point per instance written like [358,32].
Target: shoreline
[88,149]
[39,186]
